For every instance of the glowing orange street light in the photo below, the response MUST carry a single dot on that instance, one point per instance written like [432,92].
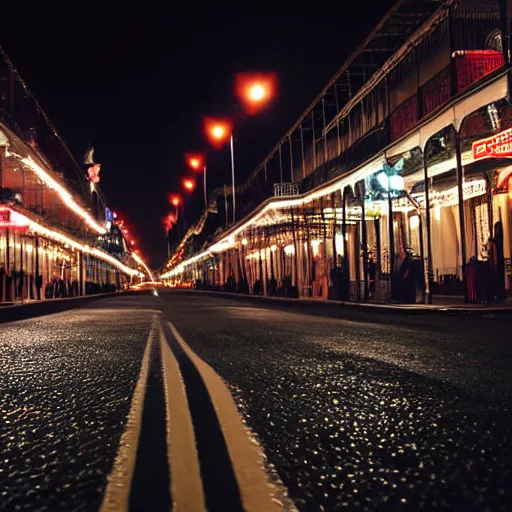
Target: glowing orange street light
[218,131]
[255,90]
[189,184]
[197,163]
[175,199]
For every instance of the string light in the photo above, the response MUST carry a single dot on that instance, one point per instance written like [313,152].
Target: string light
[64,194]
[139,260]
[64,239]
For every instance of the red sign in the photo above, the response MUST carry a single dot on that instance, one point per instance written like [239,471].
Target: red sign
[13,220]
[496,146]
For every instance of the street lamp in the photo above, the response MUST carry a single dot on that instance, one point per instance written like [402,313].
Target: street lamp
[175,200]
[218,131]
[189,184]
[255,89]
[197,163]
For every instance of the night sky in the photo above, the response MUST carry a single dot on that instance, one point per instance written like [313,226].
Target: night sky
[136,84]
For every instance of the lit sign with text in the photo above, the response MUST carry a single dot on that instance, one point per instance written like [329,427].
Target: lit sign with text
[496,146]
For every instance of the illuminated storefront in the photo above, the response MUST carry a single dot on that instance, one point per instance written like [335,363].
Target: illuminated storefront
[50,244]
[404,192]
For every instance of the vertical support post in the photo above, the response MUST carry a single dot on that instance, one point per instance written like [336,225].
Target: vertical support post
[23,277]
[366,290]
[313,136]
[38,288]
[336,99]
[391,240]
[460,194]
[344,233]
[488,192]
[324,227]
[311,262]
[291,158]
[8,272]
[280,165]
[269,238]
[422,255]
[430,272]
[379,248]
[2,167]
[323,130]
[303,159]
[334,251]
[296,251]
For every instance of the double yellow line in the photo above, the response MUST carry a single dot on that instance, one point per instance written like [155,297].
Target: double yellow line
[256,492]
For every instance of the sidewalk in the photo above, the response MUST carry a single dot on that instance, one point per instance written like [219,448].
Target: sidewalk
[444,305]
[11,312]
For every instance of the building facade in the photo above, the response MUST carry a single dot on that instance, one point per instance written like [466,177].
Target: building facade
[402,192]
[53,244]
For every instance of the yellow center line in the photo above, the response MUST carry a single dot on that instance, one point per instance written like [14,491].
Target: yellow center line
[117,492]
[247,457]
[186,484]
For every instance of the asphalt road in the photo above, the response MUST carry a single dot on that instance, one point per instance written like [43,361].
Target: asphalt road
[356,410]
[372,412]
[66,381]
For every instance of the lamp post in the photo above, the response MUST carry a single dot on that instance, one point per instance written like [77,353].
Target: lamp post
[196,162]
[254,91]
[219,131]
[176,201]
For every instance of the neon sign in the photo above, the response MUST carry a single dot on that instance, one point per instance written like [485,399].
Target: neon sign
[496,146]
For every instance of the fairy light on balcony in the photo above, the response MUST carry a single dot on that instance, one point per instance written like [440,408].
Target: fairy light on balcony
[140,261]
[64,194]
[63,239]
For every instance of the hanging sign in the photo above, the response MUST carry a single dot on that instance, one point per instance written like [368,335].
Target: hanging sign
[496,146]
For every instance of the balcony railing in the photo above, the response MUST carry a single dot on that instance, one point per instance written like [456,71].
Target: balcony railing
[404,117]
[286,189]
[436,91]
[472,65]
[469,67]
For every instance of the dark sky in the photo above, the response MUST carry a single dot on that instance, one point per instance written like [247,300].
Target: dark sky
[136,84]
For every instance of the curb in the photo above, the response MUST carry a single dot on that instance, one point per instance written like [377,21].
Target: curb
[342,306]
[50,306]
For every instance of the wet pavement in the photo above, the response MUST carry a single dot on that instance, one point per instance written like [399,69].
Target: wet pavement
[372,412]
[359,412]
[66,382]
